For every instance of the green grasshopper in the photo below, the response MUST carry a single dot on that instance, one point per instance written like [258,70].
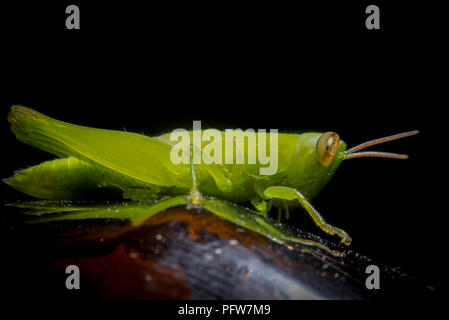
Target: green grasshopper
[139,168]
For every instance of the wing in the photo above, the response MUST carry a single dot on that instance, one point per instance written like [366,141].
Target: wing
[135,156]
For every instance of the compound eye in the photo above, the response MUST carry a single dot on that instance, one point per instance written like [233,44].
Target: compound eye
[327,146]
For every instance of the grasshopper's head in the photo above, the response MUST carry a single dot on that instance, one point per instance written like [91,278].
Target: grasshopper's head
[320,154]
[330,149]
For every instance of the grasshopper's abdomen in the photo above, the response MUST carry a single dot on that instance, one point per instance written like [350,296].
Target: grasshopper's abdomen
[67,178]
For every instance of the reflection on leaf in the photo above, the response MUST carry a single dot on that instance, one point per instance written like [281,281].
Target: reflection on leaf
[136,213]
[46,211]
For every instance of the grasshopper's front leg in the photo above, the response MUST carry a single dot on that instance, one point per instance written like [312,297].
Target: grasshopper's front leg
[286,193]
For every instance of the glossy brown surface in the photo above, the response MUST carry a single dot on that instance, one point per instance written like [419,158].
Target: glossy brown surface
[191,254]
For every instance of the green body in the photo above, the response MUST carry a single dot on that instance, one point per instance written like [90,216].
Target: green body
[140,166]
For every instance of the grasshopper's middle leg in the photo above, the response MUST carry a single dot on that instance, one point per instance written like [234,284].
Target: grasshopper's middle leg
[286,193]
[194,199]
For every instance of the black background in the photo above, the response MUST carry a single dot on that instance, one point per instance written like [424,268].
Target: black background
[309,66]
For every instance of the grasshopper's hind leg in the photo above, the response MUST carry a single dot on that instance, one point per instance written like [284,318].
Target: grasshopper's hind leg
[286,193]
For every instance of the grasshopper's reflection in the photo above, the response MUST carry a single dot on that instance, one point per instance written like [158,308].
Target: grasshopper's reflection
[138,212]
